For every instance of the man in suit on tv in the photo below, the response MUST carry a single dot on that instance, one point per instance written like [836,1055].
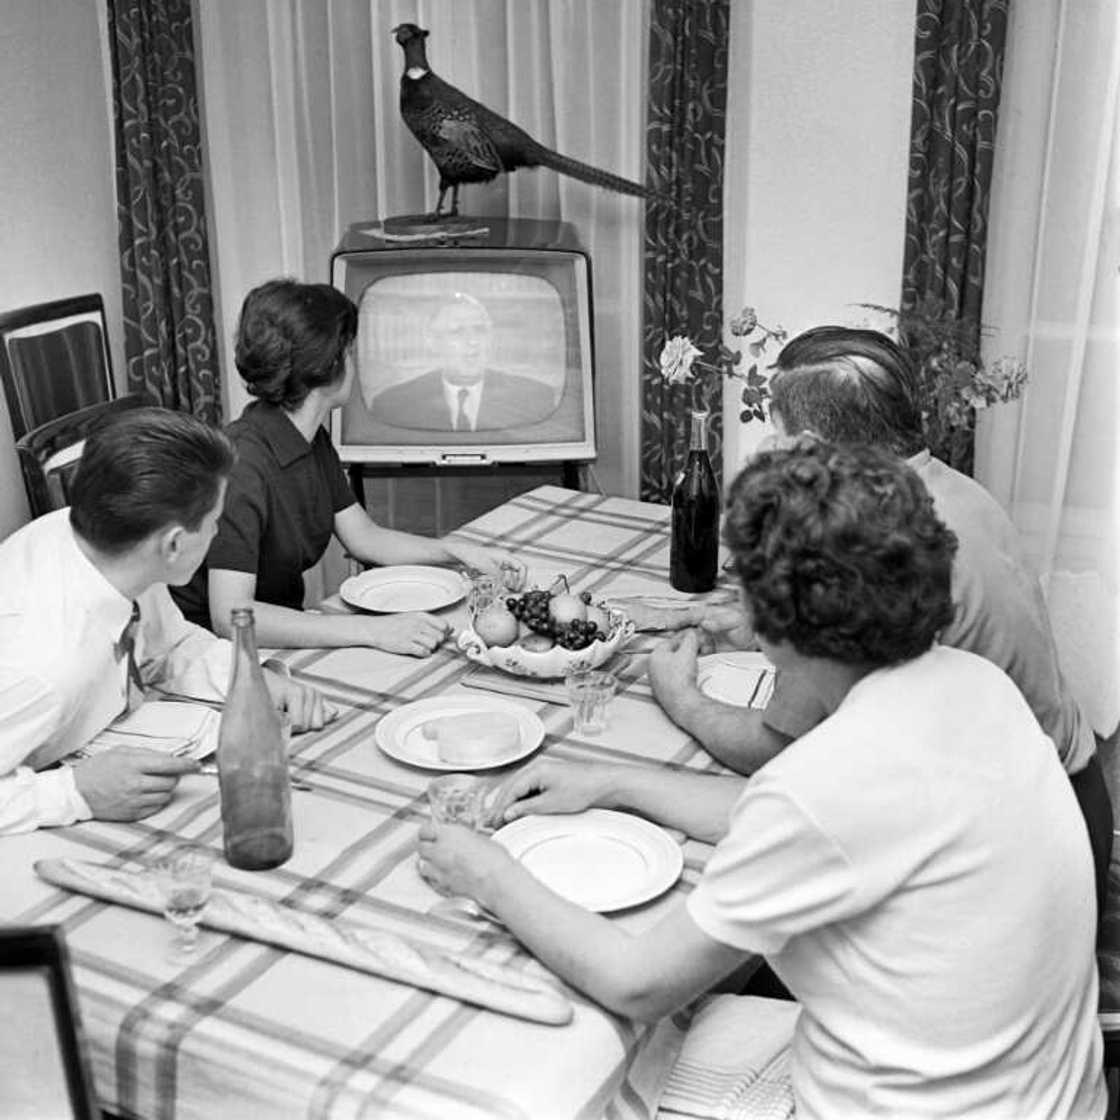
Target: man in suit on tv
[463,393]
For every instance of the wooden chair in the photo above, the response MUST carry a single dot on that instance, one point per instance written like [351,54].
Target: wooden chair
[47,1071]
[54,360]
[49,454]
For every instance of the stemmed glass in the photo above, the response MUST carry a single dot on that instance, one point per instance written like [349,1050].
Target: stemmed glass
[184,879]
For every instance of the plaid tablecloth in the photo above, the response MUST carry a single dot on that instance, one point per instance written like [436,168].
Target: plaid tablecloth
[247,1031]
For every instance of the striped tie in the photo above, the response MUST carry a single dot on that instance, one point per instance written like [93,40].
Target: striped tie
[126,649]
[461,421]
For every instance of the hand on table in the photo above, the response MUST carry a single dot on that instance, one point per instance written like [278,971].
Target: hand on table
[672,668]
[495,562]
[307,709]
[414,633]
[129,783]
[458,861]
[546,786]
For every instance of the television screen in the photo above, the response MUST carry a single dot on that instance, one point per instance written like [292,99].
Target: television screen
[468,355]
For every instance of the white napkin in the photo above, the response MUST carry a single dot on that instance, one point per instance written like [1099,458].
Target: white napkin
[171,726]
[734,1064]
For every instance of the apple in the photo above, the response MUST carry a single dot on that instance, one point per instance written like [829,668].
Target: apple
[566,607]
[536,643]
[496,625]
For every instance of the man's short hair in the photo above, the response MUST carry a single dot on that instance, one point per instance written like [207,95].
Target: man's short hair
[292,338]
[143,471]
[849,386]
[840,553]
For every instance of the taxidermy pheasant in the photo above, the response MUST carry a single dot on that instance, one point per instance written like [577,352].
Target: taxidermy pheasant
[468,142]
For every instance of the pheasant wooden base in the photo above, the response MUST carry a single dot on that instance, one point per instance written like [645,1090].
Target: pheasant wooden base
[428,227]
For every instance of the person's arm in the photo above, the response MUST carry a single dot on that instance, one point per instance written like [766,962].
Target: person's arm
[414,633]
[371,543]
[698,804]
[738,737]
[118,784]
[642,977]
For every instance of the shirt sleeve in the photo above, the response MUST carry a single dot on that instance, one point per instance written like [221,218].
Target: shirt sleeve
[773,877]
[794,707]
[237,544]
[177,655]
[29,801]
[30,713]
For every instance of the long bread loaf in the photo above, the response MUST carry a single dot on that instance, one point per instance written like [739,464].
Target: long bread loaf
[379,952]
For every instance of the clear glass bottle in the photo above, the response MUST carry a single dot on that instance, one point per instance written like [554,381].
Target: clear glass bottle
[694,536]
[253,762]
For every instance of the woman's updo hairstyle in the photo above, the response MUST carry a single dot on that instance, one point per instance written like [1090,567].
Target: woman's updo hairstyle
[292,338]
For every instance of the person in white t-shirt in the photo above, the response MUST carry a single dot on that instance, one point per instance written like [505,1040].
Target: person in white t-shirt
[87,624]
[889,864]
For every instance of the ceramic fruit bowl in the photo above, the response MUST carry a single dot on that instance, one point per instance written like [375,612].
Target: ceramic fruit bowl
[551,663]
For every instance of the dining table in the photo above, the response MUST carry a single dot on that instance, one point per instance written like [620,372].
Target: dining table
[246,1029]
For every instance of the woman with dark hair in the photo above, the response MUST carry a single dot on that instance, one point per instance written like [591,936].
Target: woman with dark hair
[289,494]
[889,864]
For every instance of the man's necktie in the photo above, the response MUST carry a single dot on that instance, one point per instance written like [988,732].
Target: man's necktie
[461,421]
[126,649]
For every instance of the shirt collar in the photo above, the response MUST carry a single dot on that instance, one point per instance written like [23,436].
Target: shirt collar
[98,596]
[275,427]
[920,460]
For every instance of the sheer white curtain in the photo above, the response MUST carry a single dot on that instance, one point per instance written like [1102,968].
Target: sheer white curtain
[304,138]
[1053,286]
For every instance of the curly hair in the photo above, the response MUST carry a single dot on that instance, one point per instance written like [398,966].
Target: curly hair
[840,553]
[848,386]
[144,470]
[292,338]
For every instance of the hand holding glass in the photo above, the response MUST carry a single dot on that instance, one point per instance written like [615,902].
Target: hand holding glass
[459,799]
[184,879]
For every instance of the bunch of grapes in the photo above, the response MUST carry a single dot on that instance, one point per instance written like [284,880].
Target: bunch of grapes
[531,607]
[578,634]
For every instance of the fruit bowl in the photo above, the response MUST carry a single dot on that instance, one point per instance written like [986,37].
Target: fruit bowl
[550,663]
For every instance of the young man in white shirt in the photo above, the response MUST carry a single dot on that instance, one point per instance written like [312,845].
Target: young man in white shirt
[889,863]
[87,623]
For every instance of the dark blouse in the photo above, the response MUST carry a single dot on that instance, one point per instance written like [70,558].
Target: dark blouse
[279,510]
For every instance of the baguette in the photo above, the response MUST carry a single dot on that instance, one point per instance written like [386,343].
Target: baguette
[471,980]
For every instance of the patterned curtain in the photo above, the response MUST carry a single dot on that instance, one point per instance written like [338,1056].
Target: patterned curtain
[170,350]
[958,75]
[683,238]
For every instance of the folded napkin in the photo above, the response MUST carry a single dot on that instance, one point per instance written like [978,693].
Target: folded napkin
[734,1064]
[170,726]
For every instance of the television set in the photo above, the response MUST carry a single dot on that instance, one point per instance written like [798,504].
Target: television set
[471,350]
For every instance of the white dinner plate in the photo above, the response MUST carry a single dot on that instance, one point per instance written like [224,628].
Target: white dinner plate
[598,859]
[743,677]
[400,733]
[404,587]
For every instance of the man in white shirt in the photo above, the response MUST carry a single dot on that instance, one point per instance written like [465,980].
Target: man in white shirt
[87,622]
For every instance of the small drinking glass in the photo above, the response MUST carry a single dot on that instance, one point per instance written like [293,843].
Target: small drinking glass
[184,879]
[589,694]
[484,592]
[458,799]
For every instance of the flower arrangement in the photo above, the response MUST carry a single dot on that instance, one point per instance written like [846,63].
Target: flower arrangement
[679,357]
[954,381]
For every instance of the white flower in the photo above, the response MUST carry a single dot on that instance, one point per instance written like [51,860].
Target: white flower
[676,360]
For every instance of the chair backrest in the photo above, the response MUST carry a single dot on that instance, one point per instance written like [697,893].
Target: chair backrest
[49,454]
[54,359]
[42,1048]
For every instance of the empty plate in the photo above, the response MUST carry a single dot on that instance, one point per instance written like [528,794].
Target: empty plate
[404,587]
[743,678]
[598,859]
[400,734]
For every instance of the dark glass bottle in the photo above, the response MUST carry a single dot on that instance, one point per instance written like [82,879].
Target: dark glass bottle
[252,762]
[694,540]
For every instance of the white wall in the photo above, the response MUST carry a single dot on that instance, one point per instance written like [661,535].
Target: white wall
[815,190]
[58,230]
